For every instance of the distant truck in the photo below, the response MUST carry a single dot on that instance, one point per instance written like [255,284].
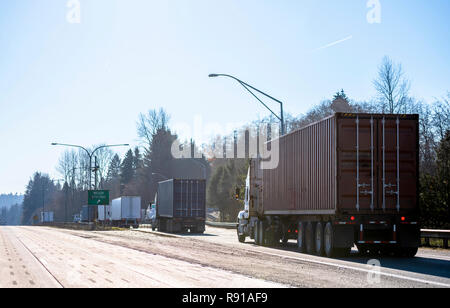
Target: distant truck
[102,211]
[348,179]
[47,217]
[180,206]
[126,212]
[89,213]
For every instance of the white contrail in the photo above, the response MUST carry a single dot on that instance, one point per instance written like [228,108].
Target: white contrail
[335,43]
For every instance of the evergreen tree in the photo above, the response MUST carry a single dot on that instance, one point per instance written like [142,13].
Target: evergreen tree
[340,95]
[114,168]
[126,168]
[137,160]
[39,193]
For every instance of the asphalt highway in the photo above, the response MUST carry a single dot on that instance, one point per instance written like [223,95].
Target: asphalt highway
[56,258]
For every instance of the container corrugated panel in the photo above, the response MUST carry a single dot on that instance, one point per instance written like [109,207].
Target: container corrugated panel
[182,198]
[304,181]
[356,163]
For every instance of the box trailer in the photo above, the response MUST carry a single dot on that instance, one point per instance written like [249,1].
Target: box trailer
[126,211]
[104,211]
[348,179]
[180,206]
[47,217]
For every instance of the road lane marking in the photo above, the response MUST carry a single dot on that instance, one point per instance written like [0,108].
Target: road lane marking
[37,259]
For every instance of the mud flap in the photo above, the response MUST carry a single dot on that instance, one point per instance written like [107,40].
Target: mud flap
[409,235]
[343,236]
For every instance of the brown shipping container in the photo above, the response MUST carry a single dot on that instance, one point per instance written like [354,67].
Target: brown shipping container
[345,164]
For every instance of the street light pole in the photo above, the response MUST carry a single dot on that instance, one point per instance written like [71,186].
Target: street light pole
[247,86]
[90,155]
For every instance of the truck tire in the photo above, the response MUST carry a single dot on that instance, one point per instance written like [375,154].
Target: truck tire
[301,237]
[319,239]
[309,238]
[241,238]
[262,238]
[256,231]
[328,244]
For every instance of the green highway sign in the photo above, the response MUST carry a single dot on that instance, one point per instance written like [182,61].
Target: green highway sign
[98,197]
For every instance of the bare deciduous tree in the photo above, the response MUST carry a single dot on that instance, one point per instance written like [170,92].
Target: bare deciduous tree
[149,124]
[441,116]
[392,87]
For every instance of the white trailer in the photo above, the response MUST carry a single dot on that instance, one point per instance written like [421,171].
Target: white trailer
[126,211]
[102,210]
[46,217]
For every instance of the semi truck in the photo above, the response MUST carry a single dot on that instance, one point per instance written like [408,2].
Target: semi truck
[180,206]
[349,179]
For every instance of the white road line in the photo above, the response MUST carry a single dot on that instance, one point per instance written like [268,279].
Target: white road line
[40,261]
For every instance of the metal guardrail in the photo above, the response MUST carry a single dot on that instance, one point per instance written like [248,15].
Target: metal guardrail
[224,225]
[443,235]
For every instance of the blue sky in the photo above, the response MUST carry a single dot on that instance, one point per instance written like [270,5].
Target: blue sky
[87,83]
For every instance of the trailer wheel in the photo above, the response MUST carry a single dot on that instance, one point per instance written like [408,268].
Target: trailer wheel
[309,238]
[256,231]
[319,239]
[241,238]
[301,237]
[329,249]
[261,233]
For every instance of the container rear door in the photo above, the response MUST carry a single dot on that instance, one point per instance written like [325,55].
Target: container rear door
[377,163]
[357,161]
[198,197]
[398,163]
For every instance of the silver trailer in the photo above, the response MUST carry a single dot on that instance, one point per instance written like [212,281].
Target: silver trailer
[104,210]
[47,217]
[126,211]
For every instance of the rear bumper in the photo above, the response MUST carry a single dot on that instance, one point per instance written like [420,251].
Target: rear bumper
[385,230]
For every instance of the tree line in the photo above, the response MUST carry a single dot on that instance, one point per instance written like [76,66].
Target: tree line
[141,168]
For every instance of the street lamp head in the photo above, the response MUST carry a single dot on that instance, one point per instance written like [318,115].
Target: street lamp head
[213,75]
[54,143]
